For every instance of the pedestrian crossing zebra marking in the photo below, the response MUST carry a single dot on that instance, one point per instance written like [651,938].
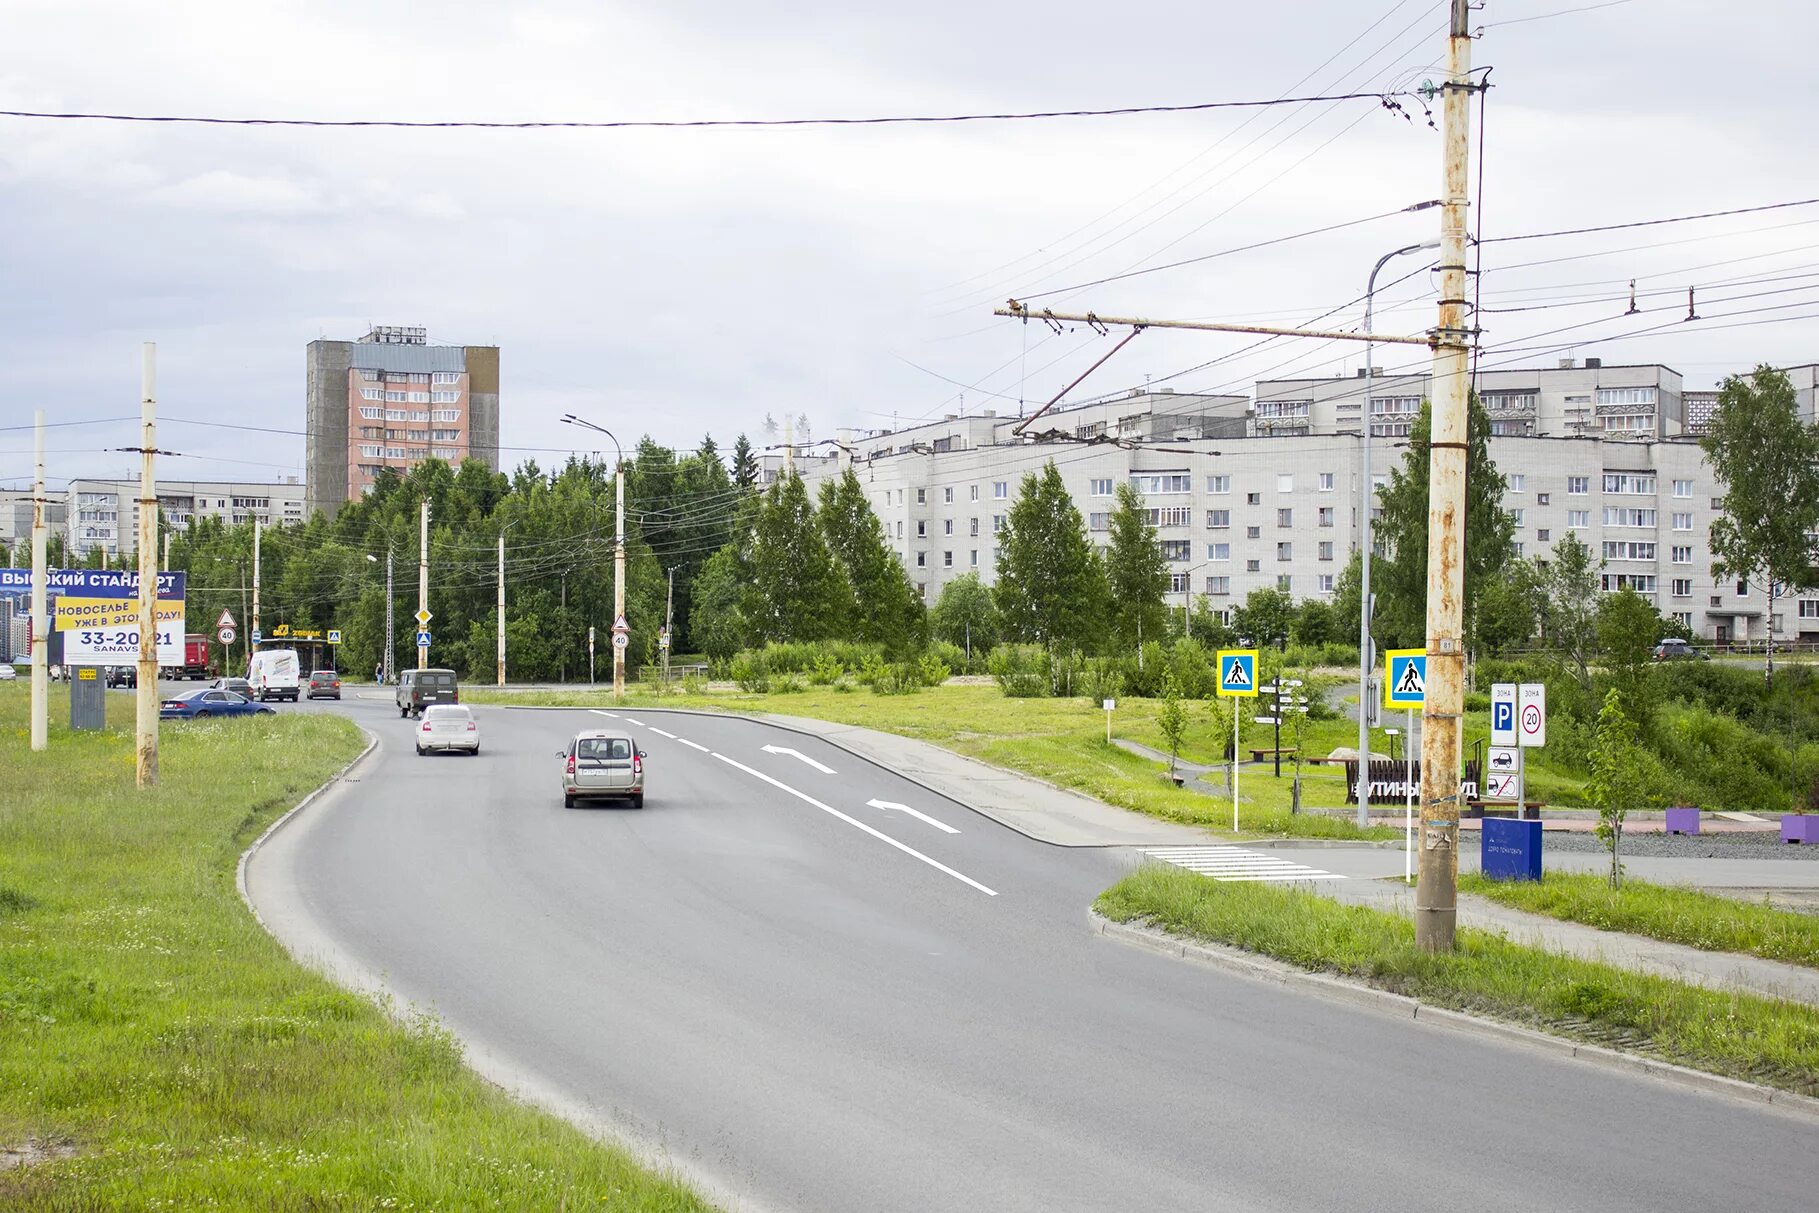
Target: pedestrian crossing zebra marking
[1236,863]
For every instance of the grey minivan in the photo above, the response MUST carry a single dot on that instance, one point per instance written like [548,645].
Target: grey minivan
[417,689]
[601,764]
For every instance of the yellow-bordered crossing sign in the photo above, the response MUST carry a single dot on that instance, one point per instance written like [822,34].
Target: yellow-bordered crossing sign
[1405,678]
[1238,673]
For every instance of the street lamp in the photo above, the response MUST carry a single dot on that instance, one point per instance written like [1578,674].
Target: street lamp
[388,668]
[1366,659]
[618,552]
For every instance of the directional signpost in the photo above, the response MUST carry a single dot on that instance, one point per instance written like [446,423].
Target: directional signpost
[1405,687]
[1237,680]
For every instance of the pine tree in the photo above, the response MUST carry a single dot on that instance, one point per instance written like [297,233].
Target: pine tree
[1401,581]
[798,590]
[1136,575]
[745,464]
[1051,584]
[886,608]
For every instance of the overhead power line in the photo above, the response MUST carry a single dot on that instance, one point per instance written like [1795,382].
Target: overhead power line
[1614,227]
[696,123]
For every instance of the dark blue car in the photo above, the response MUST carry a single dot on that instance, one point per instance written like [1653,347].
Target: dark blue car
[209,702]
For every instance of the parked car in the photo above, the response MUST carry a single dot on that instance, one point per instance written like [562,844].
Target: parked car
[238,686]
[324,684]
[205,701]
[273,674]
[417,689]
[122,676]
[448,726]
[1676,649]
[7,672]
[602,764]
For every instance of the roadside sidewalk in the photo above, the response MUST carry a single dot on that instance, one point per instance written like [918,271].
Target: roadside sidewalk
[1714,970]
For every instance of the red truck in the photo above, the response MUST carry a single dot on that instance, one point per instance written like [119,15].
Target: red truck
[195,656]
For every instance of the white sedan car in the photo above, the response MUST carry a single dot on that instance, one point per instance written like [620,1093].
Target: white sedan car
[448,726]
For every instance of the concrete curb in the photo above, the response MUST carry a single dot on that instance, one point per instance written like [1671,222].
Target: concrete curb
[246,856]
[1337,989]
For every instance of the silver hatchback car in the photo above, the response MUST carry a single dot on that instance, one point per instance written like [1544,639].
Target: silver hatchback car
[601,764]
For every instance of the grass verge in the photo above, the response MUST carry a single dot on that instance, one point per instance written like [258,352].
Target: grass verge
[1060,740]
[1737,1035]
[147,1022]
[1676,915]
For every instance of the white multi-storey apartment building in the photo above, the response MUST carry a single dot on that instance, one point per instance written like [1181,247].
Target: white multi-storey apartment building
[1263,491]
[103,515]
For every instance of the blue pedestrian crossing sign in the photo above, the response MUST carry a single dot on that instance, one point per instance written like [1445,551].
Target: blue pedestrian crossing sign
[1405,679]
[334,636]
[423,639]
[1238,673]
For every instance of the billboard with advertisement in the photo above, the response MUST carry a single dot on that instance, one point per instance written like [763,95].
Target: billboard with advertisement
[95,613]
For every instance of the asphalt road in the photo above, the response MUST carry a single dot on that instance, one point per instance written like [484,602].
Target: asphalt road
[808,1002]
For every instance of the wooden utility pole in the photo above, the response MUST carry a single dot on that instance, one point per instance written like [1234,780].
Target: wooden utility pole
[252,637]
[618,579]
[41,637]
[500,680]
[146,682]
[1437,890]
[423,582]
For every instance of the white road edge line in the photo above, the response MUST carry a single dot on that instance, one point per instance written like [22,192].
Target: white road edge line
[891,804]
[851,821]
[694,744]
[659,732]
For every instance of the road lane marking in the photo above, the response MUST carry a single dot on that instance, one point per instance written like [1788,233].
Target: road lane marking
[1236,863]
[891,804]
[608,715]
[695,745]
[659,732]
[778,749]
[639,723]
[852,821]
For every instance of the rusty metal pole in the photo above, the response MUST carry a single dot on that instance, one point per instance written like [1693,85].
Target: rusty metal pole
[1437,893]
[146,679]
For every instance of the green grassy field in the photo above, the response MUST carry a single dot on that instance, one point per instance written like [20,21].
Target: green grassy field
[151,1028]
[1060,740]
[1685,916]
[1738,1035]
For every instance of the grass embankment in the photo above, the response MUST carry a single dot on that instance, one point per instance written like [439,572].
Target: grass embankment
[1738,1035]
[151,1026]
[1060,740]
[1684,916]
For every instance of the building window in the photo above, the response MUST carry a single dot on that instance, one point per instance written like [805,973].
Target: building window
[1683,488]
[1683,522]
[444,397]
[973,527]
[998,523]
[943,445]
[445,435]
[1624,549]
[1221,552]
[1543,534]
[947,496]
[1743,588]
[1684,618]
[1285,482]
[1253,532]
[1326,482]
[1511,429]
[1171,516]
[1809,608]
[1219,585]
[1324,582]
[1285,517]
[1151,484]
[947,526]
[372,414]
[973,557]
[1577,486]
[1000,489]
[1325,515]
[1177,550]
[1518,484]
[1283,582]
[445,414]
[445,377]
[921,529]
[1629,423]
[1102,488]
[1276,410]
[1578,520]
[1619,516]
[1516,516]
[1218,520]
[1098,522]
[372,393]
[921,560]
[1642,583]
[1325,549]
[899,528]
[1626,395]
[1683,554]
[1541,498]
[1218,484]
[1285,551]
[1683,587]
[1253,566]
[947,560]
[1253,499]
[972,492]
[370,376]
[1629,482]
[1177,583]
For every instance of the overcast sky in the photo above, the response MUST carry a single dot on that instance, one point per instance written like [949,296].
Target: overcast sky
[683,282]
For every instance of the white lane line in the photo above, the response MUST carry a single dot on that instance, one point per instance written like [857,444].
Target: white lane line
[1236,863]
[659,732]
[694,745]
[639,723]
[851,821]
[891,804]
[778,749]
[608,715]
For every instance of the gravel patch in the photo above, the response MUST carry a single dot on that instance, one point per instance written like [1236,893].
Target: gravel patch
[1764,845]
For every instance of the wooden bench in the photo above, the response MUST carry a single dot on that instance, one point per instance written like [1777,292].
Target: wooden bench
[1530,809]
[1266,755]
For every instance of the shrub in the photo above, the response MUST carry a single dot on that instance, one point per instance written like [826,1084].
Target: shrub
[898,678]
[932,670]
[825,670]
[1021,670]
[694,684]
[1144,677]
[1101,678]
[950,655]
[1192,669]
[1064,672]
[751,671]
[788,684]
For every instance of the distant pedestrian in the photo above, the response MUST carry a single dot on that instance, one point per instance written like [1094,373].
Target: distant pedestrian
[379,672]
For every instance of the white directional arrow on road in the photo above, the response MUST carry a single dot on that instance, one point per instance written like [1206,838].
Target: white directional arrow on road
[891,804]
[777,749]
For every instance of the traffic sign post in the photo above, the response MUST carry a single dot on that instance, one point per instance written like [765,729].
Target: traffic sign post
[423,639]
[256,636]
[423,617]
[621,640]
[1503,713]
[226,620]
[1237,680]
[226,636]
[1405,687]
[334,636]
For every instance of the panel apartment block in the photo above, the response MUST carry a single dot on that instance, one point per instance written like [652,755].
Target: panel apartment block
[103,515]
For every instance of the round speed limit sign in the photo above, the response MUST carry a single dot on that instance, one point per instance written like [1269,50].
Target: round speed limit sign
[621,640]
[226,635]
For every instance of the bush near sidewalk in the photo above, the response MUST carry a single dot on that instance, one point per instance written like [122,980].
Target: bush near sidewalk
[1675,915]
[152,1029]
[1736,1035]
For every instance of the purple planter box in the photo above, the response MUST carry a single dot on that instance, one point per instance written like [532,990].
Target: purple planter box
[1800,827]
[1683,821]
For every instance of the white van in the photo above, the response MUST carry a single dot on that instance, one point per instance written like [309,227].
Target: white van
[273,674]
